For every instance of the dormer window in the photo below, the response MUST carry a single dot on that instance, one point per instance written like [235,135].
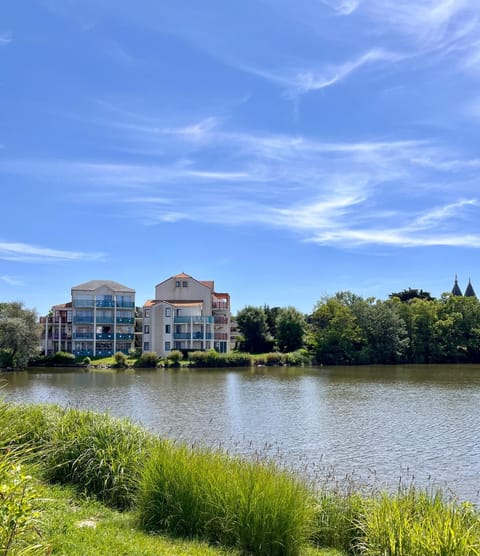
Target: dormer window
[177,283]
[185,284]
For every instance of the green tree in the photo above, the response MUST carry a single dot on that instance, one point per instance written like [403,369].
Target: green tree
[19,335]
[335,336]
[271,314]
[290,329]
[252,325]
[411,293]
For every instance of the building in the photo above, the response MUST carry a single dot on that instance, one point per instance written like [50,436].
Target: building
[57,329]
[103,318]
[188,315]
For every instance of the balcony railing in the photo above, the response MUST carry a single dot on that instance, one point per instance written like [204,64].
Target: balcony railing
[83,336]
[83,303]
[126,304]
[194,319]
[220,305]
[221,336]
[104,320]
[125,320]
[105,303]
[221,320]
[194,336]
[77,319]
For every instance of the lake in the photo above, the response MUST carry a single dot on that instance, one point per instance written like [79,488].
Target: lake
[378,424]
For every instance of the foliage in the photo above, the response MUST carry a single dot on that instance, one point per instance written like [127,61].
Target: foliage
[87,360]
[213,359]
[252,325]
[411,293]
[148,359]
[63,358]
[19,508]
[298,358]
[120,360]
[251,506]
[290,329]
[174,357]
[19,335]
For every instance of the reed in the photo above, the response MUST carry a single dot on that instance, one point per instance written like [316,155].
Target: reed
[254,507]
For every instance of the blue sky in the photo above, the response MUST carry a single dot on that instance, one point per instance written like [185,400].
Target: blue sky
[285,149]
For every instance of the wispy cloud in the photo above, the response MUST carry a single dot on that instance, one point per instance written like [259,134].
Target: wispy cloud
[5,38]
[23,252]
[11,280]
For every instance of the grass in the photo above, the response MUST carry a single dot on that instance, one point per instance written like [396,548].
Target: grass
[252,506]
[249,507]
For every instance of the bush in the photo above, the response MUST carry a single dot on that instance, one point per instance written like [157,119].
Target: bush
[63,358]
[298,358]
[274,359]
[120,360]
[148,359]
[213,359]
[87,360]
[254,507]
[174,358]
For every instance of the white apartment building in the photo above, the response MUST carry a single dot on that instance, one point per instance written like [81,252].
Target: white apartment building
[186,314]
[103,318]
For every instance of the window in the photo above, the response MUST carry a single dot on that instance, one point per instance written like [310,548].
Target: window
[178,329]
[146,346]
[168,328]
[178,312]
[146,313]
[167,346]
[185,284]
[146,329]
[177,283]
[168,311]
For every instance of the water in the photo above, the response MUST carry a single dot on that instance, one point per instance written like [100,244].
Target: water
[379,424]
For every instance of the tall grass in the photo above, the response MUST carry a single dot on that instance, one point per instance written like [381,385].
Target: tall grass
[100,454]
[417,523]
[251,506]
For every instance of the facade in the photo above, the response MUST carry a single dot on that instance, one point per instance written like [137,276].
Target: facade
[188,315]
[57,329]
[103,318]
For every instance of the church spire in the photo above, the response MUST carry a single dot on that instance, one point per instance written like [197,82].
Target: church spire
[470,292]
[456,288]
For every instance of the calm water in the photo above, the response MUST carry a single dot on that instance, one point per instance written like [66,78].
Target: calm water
[377,423]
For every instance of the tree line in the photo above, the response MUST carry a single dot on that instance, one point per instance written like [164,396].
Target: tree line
[346,329]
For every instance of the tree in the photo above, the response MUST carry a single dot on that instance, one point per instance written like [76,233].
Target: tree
[271,314]
[19,335]
[290,327]
[335,336]
[252,325]
[411,293]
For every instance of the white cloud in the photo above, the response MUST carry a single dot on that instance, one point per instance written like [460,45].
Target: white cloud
[23,252]
[12,281]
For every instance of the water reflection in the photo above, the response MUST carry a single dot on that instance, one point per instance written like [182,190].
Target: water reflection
[381,422]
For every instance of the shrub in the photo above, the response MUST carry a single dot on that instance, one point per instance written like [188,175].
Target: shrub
[120,360]
[254,507]
[147,359]
[174,358]
[63,358]
[298,358]
[87,360]
[213,359]
[19,507]
[274,359]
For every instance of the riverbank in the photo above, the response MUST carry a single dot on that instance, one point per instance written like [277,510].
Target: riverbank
[244,506]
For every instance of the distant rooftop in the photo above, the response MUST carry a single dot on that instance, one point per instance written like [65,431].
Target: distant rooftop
[95,284]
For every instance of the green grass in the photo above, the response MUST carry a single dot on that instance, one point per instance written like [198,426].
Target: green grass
[72,525]
[252,506]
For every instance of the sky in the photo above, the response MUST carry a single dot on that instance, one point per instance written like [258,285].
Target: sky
[286,149]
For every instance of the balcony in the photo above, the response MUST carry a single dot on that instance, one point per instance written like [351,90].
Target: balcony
[221,336]
[125,320]
[125,336]
[103,336]
[80,320]
[126,304]
[194,319]
[83,303]
[220,320]
[83,352]
[194,336]
[83,336]
[104,320]
[104,303]
[220,305]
